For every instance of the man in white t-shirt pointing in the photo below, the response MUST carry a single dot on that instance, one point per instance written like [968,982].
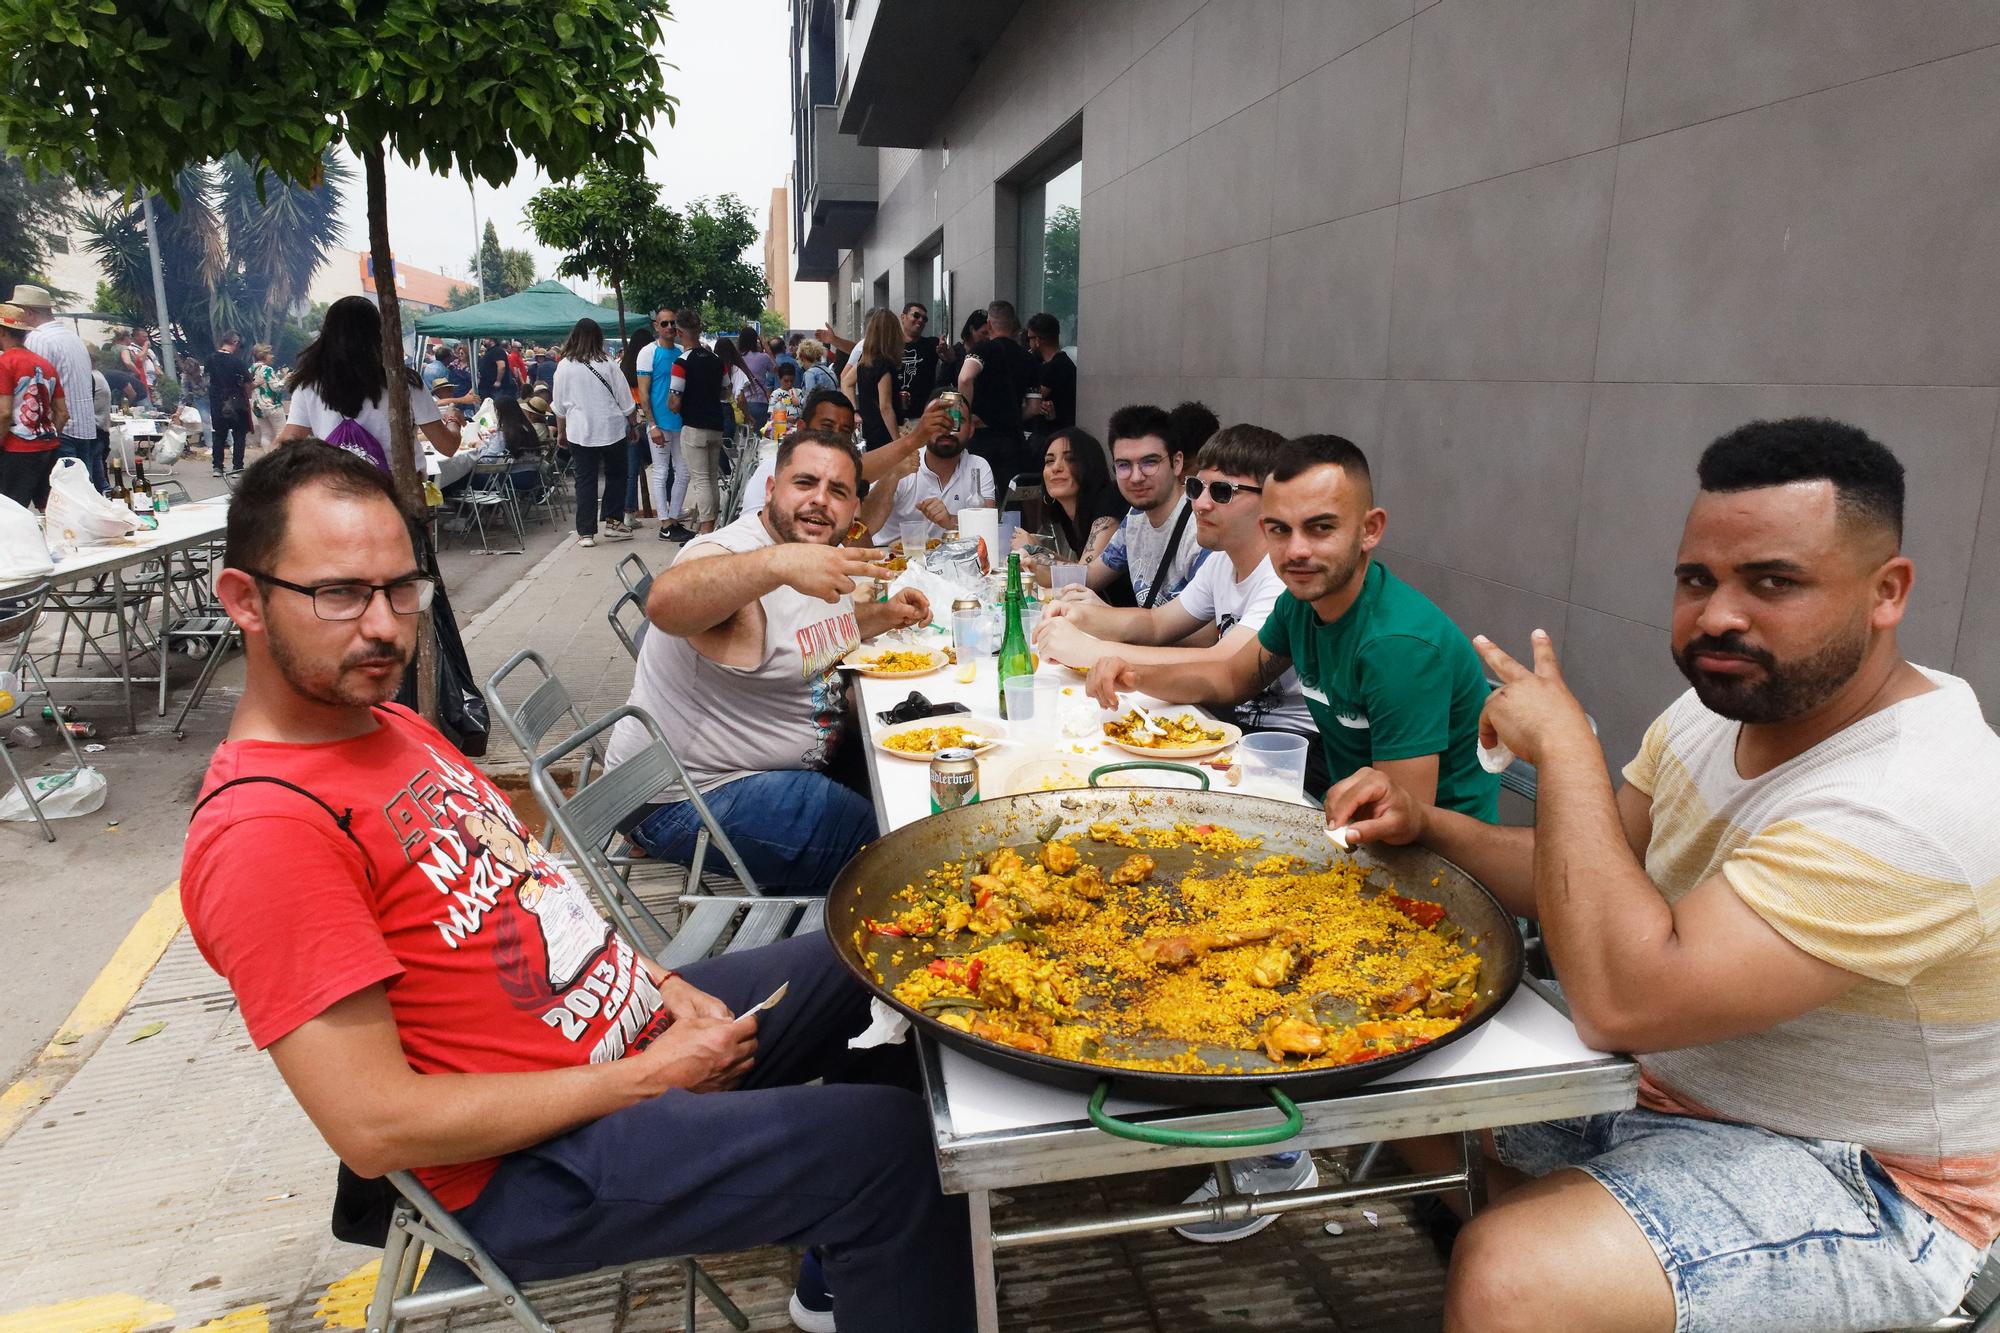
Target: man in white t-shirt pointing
[1223,605]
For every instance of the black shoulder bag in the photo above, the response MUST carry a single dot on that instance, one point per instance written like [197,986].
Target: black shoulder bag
[1167,557]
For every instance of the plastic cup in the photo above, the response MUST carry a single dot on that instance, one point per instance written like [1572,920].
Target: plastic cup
[1064,573]
[1274,764]
[914,534]
[1010,522]
[1020,692]
[968,633]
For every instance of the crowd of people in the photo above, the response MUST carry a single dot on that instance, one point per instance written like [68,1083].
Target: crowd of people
[1784,907]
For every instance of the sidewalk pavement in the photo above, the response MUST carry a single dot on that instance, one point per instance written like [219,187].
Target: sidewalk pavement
[172,1182]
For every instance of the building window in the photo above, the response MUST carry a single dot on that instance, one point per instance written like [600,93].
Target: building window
[1051,221]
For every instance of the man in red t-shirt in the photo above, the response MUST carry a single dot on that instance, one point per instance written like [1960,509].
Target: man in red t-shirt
[32,413]
[442,996]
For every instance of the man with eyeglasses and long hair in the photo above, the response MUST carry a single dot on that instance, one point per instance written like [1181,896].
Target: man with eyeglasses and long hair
[442,997]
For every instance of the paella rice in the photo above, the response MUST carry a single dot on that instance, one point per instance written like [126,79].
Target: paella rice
[1074,947]
[929,740]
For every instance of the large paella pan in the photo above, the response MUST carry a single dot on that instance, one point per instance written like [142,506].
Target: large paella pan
[1183,945]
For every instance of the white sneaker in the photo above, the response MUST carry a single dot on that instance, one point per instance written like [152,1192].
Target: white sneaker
[1252,1175]
[586,541]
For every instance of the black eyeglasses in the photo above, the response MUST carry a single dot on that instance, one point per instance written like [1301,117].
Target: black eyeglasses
[1222,492]
[350,601]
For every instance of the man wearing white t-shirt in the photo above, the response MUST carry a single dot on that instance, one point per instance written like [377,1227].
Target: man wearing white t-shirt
[1223,605]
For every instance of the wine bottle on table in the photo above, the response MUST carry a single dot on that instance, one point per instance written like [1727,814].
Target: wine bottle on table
[118,490]
[141,498]
[1014,659]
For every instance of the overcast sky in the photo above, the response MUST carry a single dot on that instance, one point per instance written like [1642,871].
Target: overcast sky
[731,134]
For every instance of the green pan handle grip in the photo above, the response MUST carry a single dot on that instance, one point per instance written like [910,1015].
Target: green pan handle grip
[1195,773]
[1295,1120]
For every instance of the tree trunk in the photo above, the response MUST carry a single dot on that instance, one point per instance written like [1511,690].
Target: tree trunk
[619,289]
[402,442]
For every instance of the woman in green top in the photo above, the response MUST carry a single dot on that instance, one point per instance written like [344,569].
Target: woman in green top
[267,397]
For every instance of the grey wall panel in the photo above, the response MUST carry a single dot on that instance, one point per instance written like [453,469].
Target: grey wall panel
[1563,90]
[1316,32]
[1501,280]
[1156,210]
[1350,408]
[1102,247]
[1340,135]
[1160,80]
[1978,656]
[1107,133]
[1621,671]
[1231,171]
[1235,58]
[1844,237]
[1222,334]
[1693,60]
[1327,307]
[1503,613]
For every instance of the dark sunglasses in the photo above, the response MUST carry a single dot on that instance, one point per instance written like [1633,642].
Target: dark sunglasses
[922,318]
[668,324]
[1222,492]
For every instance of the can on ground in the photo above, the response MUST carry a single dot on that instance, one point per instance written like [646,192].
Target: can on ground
[954,779]
[83,731]
[58,713]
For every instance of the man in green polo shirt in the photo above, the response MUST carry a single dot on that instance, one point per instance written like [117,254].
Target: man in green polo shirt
[1391,682]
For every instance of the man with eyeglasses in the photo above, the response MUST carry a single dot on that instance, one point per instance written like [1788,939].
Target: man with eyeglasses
[442,996]
[663,424]
[1224,605]
[1153,546]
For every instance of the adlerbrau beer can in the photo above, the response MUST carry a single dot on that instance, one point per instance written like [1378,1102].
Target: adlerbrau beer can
[954,779]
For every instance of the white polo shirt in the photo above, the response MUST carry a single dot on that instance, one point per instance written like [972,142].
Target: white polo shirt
[970,486]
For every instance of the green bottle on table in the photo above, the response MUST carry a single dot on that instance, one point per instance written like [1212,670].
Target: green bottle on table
[1014,659]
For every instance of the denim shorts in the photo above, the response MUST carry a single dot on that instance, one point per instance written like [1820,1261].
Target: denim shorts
[1758,1230]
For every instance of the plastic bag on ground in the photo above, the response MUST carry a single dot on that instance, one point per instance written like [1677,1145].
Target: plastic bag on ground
[62,795]
[23,553]
[173,444]
[77,515]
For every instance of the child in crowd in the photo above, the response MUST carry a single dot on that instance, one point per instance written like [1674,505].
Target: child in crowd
[788,404]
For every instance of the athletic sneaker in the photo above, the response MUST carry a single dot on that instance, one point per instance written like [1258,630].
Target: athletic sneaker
[586,541]
[1252,1175]
[812,1303]
[679,532]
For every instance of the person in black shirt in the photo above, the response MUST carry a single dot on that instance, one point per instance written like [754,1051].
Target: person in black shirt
[875,367]
[229,400]
[1053,408]
[697,397]
[919,375]
[496,377]
[996,376]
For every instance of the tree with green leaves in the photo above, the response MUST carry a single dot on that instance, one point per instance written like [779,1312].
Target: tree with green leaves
[609,222]
[138,93]
[31,211]
[503,269]
[1061,256]
[461,295]
[697,260]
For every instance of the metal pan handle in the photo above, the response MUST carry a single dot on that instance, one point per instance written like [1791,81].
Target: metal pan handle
[1195,773]
[1295,1120]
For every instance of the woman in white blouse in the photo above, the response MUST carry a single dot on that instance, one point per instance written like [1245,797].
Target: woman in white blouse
[593,409]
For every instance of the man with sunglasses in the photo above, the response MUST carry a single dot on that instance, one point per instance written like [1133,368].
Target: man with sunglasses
[441,995]
[663,425]
[918,375]
[1223,606]
[1153,546]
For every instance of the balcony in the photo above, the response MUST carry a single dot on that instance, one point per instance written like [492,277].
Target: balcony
[907,60]
[836,181]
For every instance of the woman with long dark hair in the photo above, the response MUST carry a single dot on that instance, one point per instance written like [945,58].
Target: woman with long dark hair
[339,389]
[1080,503]
[593,410]
[873,376]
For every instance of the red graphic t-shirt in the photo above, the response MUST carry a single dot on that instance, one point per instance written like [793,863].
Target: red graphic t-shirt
[495,958]
[35,387]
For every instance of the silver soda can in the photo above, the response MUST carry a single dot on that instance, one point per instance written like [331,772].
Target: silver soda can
[954,779]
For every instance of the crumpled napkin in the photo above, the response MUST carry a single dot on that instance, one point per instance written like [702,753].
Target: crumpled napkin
[1495,758]
[938,591]
[885,1027]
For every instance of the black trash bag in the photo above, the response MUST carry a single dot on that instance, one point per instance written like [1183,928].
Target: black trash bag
[462,714]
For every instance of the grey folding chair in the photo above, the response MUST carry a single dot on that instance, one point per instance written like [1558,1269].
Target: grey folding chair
[1022,490]
[589,819]
[546,703]
[628,620]
[20,612]
[418,1222]
[633,574]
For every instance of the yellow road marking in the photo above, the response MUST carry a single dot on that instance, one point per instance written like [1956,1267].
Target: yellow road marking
[83,1031]
[250,1319]
[111,1313]
[345,1304]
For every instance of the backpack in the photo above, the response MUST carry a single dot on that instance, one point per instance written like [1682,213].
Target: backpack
[356,438]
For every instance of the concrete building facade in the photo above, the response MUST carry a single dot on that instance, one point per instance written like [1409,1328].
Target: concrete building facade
[1532,255]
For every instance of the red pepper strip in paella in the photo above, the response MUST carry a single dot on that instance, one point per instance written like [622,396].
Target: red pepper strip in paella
[1423,913]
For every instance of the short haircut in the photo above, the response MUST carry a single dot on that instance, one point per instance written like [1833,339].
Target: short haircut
[825,439]
[1241,450]
[1189,426]
[1046,327]
[1296,457]
[688,317]
[228,337]
[818,396]
[1138,420]
[908,306]
[1867,478]
[257,510]
[1000,314]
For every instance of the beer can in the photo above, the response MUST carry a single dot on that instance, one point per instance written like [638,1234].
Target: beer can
[83,731]
[954,405]
[63,713]
[954,779]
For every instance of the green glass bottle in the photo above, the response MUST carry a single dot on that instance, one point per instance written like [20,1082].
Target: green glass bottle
[1014,659]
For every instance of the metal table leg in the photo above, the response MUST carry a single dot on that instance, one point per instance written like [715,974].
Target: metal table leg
[160,645]
[1472,1161]
[124,648]
[985,1287]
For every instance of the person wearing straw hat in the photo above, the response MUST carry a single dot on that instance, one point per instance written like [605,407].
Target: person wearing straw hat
[57,344]
[32,413]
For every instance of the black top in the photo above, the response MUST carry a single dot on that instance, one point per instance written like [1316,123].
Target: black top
[544,371]
[701,392]
[228,374]
[496,377]
[1006,369]
[1073,536]
[875,432]
[919,373]
[1058,381]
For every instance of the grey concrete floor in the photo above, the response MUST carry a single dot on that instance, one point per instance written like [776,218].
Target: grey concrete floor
[68,904]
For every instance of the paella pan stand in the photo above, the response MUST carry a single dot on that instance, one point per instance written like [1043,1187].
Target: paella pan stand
[1049,1145]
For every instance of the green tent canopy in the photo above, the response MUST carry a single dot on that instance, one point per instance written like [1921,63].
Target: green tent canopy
[547,310]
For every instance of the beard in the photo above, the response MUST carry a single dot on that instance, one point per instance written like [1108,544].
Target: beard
[1785,690]
[339,687]
[1311,585]
[786,524]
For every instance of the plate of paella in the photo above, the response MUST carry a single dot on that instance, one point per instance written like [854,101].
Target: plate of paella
[894,662]
[1169,735]
[925,737]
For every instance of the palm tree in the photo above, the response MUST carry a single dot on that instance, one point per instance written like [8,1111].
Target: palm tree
[279,236]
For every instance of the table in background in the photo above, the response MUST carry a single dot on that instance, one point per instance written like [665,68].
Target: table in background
[995,1130]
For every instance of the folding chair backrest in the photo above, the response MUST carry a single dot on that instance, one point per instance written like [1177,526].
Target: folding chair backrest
[21,610]
[1022,490]
[547,704]
[628,621]
[633,574]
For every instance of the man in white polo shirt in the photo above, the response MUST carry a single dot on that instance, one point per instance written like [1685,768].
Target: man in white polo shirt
[939,482]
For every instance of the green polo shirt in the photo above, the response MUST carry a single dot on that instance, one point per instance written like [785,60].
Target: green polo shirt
[1393,678]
